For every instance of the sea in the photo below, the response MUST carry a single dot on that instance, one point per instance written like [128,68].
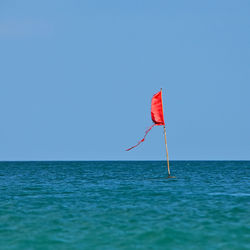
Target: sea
[125,205]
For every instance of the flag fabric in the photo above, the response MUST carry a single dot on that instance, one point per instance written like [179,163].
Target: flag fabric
[157,109]
[156,115]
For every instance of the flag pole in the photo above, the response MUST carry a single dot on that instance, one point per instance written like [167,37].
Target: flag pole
[166,150]
[165,135]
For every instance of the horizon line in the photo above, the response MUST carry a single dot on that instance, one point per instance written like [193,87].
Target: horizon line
[107,160]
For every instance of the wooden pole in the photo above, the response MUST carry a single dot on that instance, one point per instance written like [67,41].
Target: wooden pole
[166,150]
[165,135]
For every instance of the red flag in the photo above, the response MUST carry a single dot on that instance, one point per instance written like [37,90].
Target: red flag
[157,109]
[156,115]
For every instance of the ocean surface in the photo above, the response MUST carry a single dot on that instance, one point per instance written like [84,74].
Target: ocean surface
[125,205]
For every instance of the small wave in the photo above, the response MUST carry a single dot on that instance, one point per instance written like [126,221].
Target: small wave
[234,194]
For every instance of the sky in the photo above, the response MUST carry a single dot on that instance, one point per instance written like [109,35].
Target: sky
[77,78]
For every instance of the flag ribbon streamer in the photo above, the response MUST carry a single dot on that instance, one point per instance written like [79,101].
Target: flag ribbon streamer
[146,132]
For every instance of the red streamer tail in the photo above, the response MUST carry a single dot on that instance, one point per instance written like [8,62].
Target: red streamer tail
[142,138]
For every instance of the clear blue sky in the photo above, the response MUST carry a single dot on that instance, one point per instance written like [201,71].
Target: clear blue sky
[77,79]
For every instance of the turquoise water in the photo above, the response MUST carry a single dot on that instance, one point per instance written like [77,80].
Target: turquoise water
[124,205]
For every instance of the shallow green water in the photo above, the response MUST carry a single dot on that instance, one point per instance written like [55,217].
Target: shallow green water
[124,205]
